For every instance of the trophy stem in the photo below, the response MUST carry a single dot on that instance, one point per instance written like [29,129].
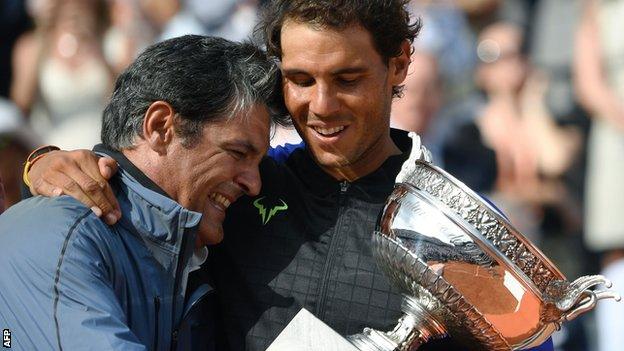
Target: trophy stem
[413,329]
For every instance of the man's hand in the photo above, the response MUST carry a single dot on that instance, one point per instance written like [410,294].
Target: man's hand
[80,174]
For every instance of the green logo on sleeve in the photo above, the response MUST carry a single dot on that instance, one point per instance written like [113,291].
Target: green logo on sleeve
[262,210]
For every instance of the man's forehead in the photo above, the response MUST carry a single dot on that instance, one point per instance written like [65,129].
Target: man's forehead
[247,143]
[250,129]
[330,50]
[353,33]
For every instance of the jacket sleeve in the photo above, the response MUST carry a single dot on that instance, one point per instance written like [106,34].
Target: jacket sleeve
[87,312]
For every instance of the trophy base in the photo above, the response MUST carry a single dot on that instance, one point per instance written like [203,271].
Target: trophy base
[415,327]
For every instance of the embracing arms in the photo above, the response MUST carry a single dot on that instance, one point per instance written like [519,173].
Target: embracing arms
[80,174]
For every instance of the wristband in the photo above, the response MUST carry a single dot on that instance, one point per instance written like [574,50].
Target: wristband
[34,157]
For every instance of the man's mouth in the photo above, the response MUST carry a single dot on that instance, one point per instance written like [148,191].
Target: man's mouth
[220,200]
[328,132]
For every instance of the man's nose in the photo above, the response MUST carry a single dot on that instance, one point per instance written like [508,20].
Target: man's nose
[324,101]
[249,181]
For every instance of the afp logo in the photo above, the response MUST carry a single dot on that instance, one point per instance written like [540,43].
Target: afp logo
[6,338]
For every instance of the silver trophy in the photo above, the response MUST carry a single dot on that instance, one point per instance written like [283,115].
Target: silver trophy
[465,270]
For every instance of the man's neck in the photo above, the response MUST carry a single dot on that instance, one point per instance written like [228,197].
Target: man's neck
[142,160]
[368,163]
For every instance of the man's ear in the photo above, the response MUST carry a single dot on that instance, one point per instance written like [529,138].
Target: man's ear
[400,64]
[158,126]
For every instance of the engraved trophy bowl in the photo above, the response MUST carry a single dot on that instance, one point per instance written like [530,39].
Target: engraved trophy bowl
[466,271]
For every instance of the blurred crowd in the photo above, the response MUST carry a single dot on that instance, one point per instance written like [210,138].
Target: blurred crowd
[523,100]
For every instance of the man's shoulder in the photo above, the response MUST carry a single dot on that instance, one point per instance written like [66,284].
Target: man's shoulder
[278,169]
[51,249]
[41,227]
[45,212]
[281,153]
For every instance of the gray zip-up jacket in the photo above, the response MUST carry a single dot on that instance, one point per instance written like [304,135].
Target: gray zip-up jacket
[68,281]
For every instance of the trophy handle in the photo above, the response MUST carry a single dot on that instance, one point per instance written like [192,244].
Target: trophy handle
[418,153]
[414,328]
[578,298]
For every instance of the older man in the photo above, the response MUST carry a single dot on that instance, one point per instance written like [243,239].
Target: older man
[188,124]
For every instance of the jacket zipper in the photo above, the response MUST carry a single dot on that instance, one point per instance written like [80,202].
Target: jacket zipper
[176,287]
[157,316]
[320,307]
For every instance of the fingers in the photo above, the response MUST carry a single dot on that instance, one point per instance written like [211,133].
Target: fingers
[38,184]
[108,167]
[88,181]
[47,188]
[91,178]
[56,184]
[77,174]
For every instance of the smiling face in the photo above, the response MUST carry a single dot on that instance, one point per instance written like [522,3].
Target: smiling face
[339,92]
[220,167]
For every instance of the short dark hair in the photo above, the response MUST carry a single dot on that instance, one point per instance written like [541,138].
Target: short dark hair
[203,78]
[388,21]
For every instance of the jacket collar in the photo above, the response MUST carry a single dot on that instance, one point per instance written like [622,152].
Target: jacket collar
[127,165]
[374,186]
[147,208]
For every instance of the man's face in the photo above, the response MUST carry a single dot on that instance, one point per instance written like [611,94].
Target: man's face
[339,92]
[221,167]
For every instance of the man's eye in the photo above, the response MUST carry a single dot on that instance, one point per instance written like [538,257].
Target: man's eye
[302,82]
[348,81]
[237,154]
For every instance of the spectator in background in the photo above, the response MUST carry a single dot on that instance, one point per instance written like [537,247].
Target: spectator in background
[161,13]
[61,79]
[552,51]
[230,19]
[16,141]
[516,93]
[447,42]
[502,73]
[599,81]
[422,97]
[13,22]
[551,25]
[494,121]
[529,150]
[129,33]
[447,37]
[138,23]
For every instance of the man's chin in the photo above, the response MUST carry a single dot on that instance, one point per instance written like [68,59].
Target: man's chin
[329,160]
[209,234]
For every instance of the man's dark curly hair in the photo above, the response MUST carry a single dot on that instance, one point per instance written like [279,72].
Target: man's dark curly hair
[388,21]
